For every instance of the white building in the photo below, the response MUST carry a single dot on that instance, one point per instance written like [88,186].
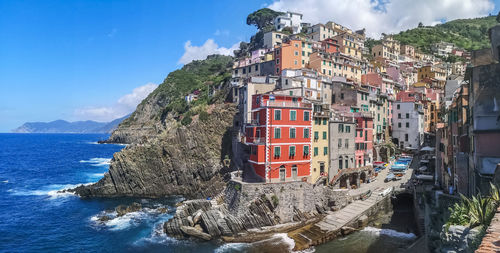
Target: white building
[442,48]
[408,124]
[289,19]
[273,38]
[303,82]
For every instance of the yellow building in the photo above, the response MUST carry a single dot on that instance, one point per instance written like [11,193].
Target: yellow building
[320,157]
[336,65]
[432,72]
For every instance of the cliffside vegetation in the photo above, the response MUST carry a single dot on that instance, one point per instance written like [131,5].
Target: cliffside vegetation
[470,34]
[201,77]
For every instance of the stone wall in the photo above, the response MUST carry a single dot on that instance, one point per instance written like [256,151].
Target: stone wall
[291,198]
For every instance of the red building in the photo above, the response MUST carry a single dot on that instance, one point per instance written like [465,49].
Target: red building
[364,140]
[280,137]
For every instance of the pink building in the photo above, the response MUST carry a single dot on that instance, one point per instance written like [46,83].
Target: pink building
[364,140]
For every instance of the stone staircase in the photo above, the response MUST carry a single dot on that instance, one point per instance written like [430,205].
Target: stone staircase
[334,223]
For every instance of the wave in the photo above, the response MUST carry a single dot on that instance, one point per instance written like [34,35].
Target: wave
[390,232]
[97,161]
[53,191]
[5,181]
[232,247]
[132,219]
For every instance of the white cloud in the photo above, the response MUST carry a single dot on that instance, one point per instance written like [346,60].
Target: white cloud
[382,16]
[201,52]
[125,105]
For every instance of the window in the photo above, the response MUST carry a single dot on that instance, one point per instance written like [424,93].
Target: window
[306,150]
[341,128]
[277,152]
[325,121]
[306,116]
[295,62]
[406,137]
[316,135]
[407,124]
[346,143]
[399,115]
[398,106]
[277,133]
[324,135]
[306,133]
[341,95]
[399,125]
[291,150]
[340,143]
[315,151]
[325,150]
[347,129]
[292,133]
[293,115]
[296,53]
[256,67]
[277,114]
[407,115]
[366,135]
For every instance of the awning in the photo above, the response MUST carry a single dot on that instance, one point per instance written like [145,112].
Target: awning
[427,148]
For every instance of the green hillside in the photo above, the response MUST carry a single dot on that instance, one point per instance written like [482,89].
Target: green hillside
[470,34]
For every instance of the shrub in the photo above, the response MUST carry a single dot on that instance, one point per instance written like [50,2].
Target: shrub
[275,200]
[203,116]
[186,120]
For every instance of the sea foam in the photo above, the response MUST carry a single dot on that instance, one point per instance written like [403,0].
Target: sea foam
[97,161]
[53,191]
[390,232]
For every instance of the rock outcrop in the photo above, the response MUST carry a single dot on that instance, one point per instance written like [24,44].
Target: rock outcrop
[166,157]
[243,207]
[183,161]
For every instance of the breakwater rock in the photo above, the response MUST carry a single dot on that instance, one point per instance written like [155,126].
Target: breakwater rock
[243,207]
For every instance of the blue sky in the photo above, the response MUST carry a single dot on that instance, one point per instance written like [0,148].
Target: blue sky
[58,58]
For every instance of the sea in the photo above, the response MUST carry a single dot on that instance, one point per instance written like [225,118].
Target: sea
[36,217]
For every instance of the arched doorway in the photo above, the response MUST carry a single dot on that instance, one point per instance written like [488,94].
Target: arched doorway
[343,182]
[363,177]
[354,180]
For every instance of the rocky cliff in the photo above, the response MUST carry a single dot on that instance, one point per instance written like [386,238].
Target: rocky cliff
[175,148]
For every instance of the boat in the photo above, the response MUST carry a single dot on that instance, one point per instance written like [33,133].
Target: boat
[389,177]
[386,191]
[365,195]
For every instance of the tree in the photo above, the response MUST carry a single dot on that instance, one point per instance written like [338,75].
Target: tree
[420,25]
[498,17]
[262,18]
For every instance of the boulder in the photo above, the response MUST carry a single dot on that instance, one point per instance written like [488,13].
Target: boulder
[190,220]
[347,230]
[162,210]
[104,218]
[191,231]
[197,216]
[121,210]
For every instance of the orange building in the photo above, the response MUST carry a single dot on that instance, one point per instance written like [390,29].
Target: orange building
[280,137]
[288,56]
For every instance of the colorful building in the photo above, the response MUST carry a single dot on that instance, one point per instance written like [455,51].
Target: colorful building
[288,56]
[320,157]
[280,137]
[364,140]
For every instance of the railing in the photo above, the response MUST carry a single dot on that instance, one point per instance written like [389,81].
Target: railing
[288,104]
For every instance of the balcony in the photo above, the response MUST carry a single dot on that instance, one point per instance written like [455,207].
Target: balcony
[287,104]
